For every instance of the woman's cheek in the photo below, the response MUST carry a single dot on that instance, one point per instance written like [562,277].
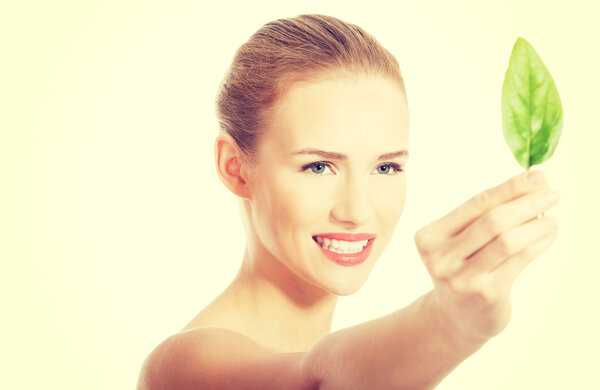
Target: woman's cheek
[391,198]
[303,199]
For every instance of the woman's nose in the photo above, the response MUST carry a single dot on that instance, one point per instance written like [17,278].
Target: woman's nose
[352,204]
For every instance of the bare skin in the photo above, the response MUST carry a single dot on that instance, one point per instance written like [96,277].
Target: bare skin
[281,296]
[270,328]
[239,308]
[473,255]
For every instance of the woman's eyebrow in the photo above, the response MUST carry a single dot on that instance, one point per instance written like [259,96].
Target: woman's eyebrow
[391,155]
[340,156]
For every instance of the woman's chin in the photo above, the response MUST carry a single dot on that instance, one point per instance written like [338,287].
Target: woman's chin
[336,288]
[343,289]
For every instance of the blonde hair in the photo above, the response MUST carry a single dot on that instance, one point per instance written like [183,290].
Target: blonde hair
[305,48]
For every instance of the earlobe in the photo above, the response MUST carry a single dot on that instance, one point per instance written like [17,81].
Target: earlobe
[229,164]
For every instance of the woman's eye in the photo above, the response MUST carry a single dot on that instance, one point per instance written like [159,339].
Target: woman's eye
[386,168]
[317,168]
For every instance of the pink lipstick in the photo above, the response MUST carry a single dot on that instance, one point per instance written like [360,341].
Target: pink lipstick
[346,259]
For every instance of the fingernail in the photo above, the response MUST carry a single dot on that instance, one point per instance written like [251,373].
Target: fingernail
[536,177]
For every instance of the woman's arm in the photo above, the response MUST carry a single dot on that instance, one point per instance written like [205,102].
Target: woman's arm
[473,255]
[412,348]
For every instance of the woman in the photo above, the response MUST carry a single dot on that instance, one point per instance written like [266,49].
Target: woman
[314,136]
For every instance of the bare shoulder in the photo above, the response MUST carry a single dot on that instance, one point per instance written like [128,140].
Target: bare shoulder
[219,358]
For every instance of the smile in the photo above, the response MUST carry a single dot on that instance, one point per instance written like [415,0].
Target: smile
[345,249]
[340,246]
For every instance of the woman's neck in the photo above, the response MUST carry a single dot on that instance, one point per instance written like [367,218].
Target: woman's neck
[270,304]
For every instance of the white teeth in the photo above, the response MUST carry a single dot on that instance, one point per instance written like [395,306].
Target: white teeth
[343,245]
[340,246]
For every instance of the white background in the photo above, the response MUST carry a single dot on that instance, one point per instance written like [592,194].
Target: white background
[115,230]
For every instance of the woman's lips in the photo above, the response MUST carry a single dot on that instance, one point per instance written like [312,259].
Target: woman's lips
[347,259]
[347,236]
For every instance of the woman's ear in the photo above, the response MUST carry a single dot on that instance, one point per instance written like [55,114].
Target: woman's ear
[230,165]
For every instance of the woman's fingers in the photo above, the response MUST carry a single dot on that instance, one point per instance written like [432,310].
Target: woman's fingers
[451,257]
[461,217]
[500,220]
[506,272]
[507,245]
[475,252]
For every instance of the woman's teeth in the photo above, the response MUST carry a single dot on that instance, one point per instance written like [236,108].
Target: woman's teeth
[340,246]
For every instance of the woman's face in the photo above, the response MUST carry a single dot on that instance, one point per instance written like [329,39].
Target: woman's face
[331,164]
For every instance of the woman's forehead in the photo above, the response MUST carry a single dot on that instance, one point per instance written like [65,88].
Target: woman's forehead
[335,112]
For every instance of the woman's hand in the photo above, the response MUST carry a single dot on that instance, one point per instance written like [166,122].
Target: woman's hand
[475,253]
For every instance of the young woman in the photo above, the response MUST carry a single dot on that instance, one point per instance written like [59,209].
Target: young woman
[314,135]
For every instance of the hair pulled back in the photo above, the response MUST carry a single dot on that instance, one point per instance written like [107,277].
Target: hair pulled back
[305,48]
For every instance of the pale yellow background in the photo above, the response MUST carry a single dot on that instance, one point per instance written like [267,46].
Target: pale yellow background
[115,230]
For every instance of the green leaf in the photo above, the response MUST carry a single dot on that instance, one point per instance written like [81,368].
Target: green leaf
[532,115]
